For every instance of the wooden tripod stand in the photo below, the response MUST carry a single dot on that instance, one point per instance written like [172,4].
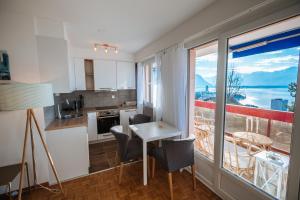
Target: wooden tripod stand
[30,116]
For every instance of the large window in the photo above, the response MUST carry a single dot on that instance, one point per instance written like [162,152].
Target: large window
[261,86]
[246,123]
[205,60]
[150,82]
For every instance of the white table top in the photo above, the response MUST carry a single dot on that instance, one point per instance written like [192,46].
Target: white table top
[154,131]
[282,161]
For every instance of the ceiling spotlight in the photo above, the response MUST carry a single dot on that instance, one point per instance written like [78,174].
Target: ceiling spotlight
[116,51]
[95,48]
[105,50]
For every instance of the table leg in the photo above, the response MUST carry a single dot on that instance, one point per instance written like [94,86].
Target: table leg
[145,162]
[255,172]
[279,183]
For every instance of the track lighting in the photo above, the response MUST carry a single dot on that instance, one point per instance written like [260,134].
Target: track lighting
[106,47]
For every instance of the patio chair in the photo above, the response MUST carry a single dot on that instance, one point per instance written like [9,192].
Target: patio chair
[238,159]
[204,141]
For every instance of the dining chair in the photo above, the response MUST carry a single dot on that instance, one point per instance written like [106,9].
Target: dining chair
[174,155]
[139,119]
[128,149]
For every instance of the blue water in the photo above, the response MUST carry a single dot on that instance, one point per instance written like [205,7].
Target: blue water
[261,97]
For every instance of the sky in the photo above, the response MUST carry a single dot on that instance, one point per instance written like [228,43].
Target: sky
[206,65]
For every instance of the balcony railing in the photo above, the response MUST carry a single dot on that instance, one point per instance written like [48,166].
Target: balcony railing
[269,115]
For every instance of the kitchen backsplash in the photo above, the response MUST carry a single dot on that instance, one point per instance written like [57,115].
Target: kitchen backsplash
[98,98]
[91,99]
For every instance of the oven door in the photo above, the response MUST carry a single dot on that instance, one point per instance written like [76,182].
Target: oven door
[105,123]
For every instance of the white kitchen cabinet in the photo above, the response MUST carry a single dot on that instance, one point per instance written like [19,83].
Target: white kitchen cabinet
[105,74]
[70,153]
[79,73]
[54,63]
[124,118]
[92,126]
[125,75]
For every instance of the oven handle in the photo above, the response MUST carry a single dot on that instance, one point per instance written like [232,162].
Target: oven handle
[108,117]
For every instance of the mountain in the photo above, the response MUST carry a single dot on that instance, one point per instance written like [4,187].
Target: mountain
[276,78]
[201,82]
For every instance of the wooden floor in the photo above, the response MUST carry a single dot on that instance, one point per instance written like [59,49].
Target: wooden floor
[104,186]
[102,155]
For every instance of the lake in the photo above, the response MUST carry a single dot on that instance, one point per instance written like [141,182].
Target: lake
[261,96]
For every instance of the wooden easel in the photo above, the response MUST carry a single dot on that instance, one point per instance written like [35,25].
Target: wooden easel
[30,116]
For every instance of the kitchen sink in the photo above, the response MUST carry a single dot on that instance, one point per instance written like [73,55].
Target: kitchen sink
[72,116]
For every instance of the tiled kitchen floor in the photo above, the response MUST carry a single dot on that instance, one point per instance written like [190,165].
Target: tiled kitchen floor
[103,156]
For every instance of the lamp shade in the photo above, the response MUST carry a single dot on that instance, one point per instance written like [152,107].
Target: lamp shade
[22,96]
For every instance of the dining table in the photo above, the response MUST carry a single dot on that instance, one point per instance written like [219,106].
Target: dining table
[254,138]
[153,131]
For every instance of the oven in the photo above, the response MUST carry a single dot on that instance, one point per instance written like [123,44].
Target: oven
[107,119]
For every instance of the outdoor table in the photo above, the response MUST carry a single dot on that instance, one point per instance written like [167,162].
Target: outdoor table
[254,138]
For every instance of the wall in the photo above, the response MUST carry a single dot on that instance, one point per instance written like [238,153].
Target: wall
[18,38]
[217,14]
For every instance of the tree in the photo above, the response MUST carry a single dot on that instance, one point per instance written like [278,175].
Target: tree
[292,88]
[234,81]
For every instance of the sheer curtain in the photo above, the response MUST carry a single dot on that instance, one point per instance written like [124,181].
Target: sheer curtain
[140,87]
[172,86]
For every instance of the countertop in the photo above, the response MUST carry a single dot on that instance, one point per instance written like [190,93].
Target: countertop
[57,124]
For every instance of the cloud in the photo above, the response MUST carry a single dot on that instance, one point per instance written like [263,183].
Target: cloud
[209,58]
[282,59]
[254,68]
[274,52]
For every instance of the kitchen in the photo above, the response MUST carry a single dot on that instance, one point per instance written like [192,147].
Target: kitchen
[94,93]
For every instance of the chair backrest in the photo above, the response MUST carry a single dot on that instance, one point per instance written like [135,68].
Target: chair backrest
[178,153]
[140,118]
[148,110]
[122,140]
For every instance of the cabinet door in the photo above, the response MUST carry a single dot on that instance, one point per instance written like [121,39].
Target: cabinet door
[105,74]
[79,74]
[125,75]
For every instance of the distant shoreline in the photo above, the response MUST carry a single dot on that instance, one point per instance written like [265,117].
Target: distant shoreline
[256,86]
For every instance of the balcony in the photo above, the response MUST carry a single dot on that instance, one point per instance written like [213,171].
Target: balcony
[242,154]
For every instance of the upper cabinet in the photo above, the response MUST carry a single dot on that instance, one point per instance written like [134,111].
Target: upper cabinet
[105,74]
[54,62]
[79,72]
[125,75]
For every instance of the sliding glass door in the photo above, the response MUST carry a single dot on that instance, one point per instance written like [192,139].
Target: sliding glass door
[260,96]
[243,94]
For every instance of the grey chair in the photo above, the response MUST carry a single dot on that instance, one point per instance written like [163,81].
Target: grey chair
[139,119]
[174,155]
[128,149]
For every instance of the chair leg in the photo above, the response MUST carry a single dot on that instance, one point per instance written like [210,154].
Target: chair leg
[121,172]
[170,184]
[9,190]
[153,167]
[194,176]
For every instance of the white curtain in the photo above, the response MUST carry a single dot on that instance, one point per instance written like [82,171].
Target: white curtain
[140,87]
[172,88]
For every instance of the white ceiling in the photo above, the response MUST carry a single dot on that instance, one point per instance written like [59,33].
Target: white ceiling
[129,24]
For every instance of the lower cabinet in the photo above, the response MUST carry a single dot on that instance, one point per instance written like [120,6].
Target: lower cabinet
[69,150]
